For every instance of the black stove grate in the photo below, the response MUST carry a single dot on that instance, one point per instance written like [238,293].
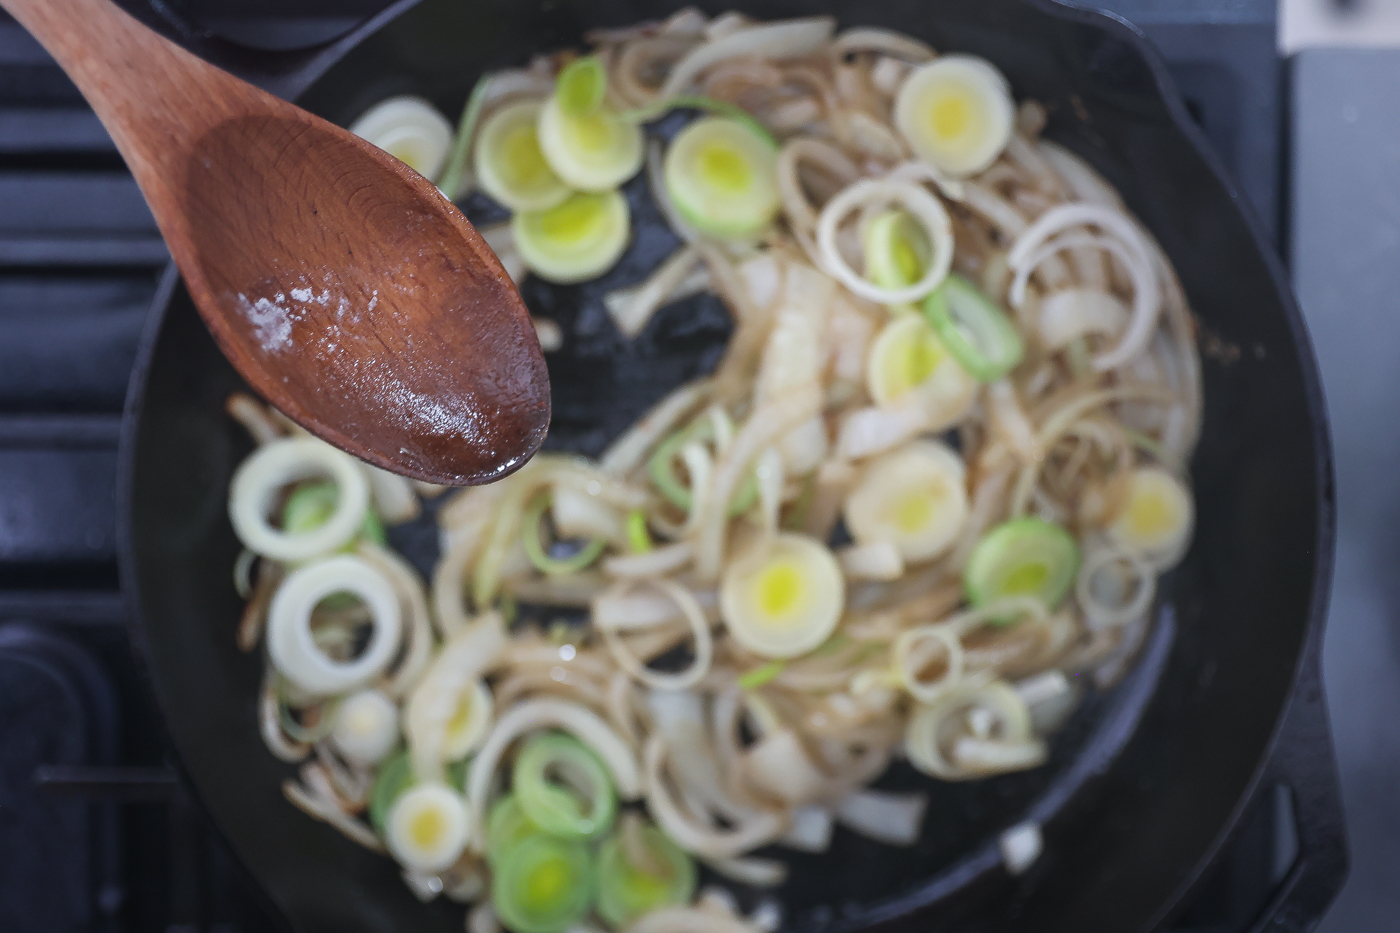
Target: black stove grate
[88,806]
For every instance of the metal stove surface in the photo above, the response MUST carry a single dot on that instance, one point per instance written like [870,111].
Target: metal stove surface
[95,831]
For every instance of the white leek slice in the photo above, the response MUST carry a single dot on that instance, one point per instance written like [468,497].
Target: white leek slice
[290,643]
[577,240]
[366,727]
[509,164]
[592,153]
[914,497]
[1156,522]
[784,598]
[956,112]
[427,827]
[466,729]
[410,129]
[723,177]
[907,357]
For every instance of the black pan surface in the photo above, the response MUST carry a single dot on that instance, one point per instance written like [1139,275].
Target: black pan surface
[1144,783]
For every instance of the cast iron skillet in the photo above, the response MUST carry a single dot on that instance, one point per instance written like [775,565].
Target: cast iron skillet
[1146,784]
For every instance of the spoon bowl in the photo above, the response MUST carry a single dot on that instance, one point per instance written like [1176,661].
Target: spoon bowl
[343,286]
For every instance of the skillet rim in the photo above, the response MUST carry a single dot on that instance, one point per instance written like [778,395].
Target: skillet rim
[1164,87]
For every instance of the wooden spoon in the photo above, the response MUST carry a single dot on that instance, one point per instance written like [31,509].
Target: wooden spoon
[341,284]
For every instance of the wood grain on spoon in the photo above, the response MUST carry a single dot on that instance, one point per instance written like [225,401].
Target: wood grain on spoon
[339,282]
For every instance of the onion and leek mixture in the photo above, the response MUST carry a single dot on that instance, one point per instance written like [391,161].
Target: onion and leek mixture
[933,481]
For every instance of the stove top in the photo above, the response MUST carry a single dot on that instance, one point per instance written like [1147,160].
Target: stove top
[96,831]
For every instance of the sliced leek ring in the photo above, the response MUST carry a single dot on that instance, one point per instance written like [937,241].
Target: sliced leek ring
[956,112]
[577,240]
[582,86]
[897,251]
[427,827]
[410,129]
[908,356]
[592,153]
[1022,557]
[914,498]
[509,164]
[366,727]
[974,329]
[784,598]
[627,890]
[543,884]
[723,177]
[1156,521]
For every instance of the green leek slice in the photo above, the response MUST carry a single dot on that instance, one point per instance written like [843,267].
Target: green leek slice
[626,891]
[897,251]
[582,805]
[638,536]
[973,329]
[534,548]
[581,86]
[312,504]
[394,777]
[591,153]
[543,885]
[509,164]
[723,177]
[506,827]
[577,240]
[1022,557]
[662,469]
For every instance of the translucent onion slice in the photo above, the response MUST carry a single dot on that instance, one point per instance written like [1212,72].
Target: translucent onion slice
[1115,587]
[410,129]
[1022,557]
[956,112]
[722,177]
[909,363]
[543,885]
[260,480]
[1157,520]
[693,615]
[563,788]
[974,329]
[791,38]
[593,153]
[639,870]
[577,240]
[892,818]
[290,644]
[914,497]
[943,740]
[923,207]
[784,598]
[427,827]
[366,727]
[509,164]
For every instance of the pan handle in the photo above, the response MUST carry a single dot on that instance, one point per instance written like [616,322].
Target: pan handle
[1303,760]
[283,73]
